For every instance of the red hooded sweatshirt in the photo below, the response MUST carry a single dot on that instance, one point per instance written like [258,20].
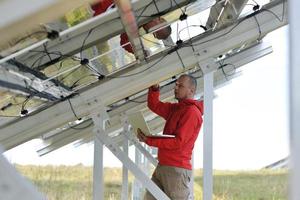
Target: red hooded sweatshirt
[184,120]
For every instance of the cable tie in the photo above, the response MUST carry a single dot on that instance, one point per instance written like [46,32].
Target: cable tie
[24,112]
[256,7]
[52,35]
[84,61]
[183,16]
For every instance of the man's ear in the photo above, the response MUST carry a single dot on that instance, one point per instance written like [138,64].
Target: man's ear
[192,91]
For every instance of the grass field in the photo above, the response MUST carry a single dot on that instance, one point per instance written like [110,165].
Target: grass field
[75,183]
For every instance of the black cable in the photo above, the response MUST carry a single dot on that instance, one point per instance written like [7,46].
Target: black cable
[28,36]
[190,39]
[243,19]
[83,43]
[178,6]
[57,53]
[230,30]
[71,106]
[276,16]
[81,128]
[51,53]
[187,27]
[255,2]
[223,71]
[46,51]
[37,60]
[259,29]
[202,74]
[24,113]
[23,110]
[74,83]
[154,15]
[156,6]
[74,58]
[125,76]
[135,101]
[183,66]
[188,4]
[144,9]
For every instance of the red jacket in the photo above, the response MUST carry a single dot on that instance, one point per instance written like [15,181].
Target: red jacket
[184,120]
[101,6]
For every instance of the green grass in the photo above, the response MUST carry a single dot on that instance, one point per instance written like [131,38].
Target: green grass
[75,183]
[248,185]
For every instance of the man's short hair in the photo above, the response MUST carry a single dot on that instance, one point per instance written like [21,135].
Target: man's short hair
[192,81]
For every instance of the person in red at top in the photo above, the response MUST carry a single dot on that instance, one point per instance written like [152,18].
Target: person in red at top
[161,34]
[184,120]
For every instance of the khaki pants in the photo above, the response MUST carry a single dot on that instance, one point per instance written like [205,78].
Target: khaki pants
[174,181]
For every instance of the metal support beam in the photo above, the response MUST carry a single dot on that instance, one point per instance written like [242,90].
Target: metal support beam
[98,173]
[19,16]
[208,137]
[294,99]
[137,190]
[131,27]
[224,13]
[13,186]
[26,79]
[17,88]
[99,120]
[137,172]
[70,40]
[70,135]
[66,136]
[208,45]
[124,194]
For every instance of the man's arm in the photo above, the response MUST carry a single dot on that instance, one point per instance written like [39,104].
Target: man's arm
[154,104]
[188,126]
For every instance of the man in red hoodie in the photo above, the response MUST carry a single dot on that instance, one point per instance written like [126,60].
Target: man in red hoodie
[184,120]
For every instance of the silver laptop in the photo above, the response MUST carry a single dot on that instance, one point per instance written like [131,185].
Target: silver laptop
[137,120]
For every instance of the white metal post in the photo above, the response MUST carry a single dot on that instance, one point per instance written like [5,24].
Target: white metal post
[136,192]
[98,186]
[124,195]
[208,137]
[99,120]
[294,101]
